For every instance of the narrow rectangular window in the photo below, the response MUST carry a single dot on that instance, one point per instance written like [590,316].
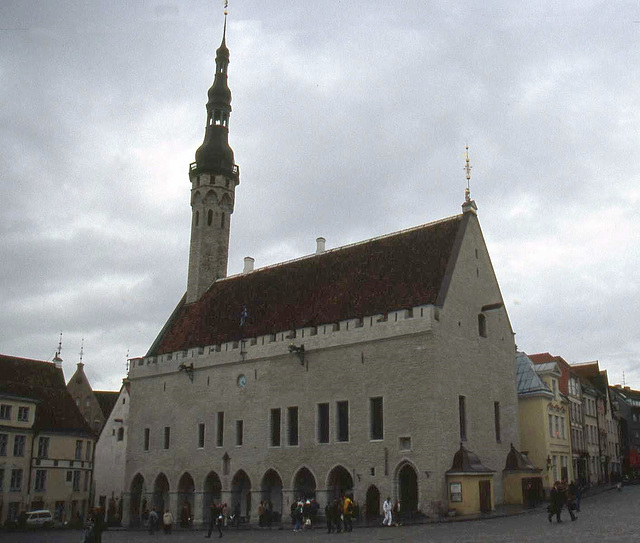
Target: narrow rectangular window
[201,429]
[1,480]
[76,480]
[41,480]
[377,420]
[462,410]
[16,480]
[220,430]
[550,425]
[78,450]
[496,418]
[5,412]
[167,437]
[4,439]
[86,481]
[19,443]
[87,455]
[23,414]
[275,421]
[239,433]
[292,426]
[323,423]
[342,414]
[147,436]
[43,447]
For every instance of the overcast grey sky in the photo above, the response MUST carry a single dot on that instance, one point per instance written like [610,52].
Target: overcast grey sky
[349,121]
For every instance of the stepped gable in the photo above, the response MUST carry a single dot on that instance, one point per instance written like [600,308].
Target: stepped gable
[107,400]
[43,382]
[388,273]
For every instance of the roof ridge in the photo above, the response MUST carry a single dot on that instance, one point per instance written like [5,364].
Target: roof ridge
[336,249]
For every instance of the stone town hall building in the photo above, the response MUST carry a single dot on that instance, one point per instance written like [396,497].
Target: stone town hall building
[361,368]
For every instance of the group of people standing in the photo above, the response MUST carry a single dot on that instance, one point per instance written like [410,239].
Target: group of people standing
[153,522]
[304,513]
[339,514]
[219,517]
[563,494]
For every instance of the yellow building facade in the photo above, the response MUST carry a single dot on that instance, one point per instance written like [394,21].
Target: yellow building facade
[46,447]
[543,414]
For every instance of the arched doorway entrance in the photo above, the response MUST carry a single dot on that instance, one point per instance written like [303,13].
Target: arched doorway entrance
[186,494]
[212,494]
[339,482]
[408,489]
[372,506]
[136,493]
[160,498]
[304,484]
[241,493]
[271,490]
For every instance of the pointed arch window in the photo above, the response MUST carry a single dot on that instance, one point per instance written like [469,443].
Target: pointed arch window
[209,217]
[222,220]
[197,218]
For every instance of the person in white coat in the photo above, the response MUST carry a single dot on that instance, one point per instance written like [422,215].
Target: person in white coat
[387,506]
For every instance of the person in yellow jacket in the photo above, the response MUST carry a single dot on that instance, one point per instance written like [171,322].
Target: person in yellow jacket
[347,512]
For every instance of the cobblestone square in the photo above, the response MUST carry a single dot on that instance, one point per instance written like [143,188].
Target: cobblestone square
[609,516]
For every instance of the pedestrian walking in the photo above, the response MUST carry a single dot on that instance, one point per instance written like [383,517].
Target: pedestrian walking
[387,506]
[216,518]
[167,522]
[557,500]
[328,513]
[347,512]
[337,515]
[152,521]
[570,497]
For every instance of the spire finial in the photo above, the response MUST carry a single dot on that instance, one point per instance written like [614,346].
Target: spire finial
[56,359]
[59,346]
[226,12]
[81,349]
[467,168]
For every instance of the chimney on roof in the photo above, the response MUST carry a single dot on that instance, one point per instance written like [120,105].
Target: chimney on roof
[320,244]
[248,264]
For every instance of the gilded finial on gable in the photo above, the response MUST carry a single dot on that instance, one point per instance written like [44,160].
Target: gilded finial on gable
[467,168]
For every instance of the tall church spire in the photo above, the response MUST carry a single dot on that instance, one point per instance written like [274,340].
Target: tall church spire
[214,177]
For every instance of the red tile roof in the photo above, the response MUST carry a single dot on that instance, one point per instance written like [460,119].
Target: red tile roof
[44,383]
[564,367]
[388,273]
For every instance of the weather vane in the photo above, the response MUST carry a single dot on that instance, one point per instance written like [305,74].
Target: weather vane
[226,6]
[467,168]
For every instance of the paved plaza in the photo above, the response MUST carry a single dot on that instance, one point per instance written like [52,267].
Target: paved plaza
[609,516]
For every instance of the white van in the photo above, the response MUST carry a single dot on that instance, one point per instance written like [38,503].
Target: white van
[39,519]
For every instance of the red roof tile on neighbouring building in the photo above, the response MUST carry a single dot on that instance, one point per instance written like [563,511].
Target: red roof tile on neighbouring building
[43,382]
[564,367]
[393,272]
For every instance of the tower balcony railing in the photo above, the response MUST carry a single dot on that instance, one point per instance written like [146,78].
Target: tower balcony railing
[235,170]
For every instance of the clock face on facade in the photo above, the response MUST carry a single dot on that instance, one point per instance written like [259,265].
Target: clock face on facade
[242,381]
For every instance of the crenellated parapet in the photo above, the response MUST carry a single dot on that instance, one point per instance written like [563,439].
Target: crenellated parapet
[402,322]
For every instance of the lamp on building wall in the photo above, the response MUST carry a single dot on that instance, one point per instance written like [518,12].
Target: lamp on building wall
[299,351]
